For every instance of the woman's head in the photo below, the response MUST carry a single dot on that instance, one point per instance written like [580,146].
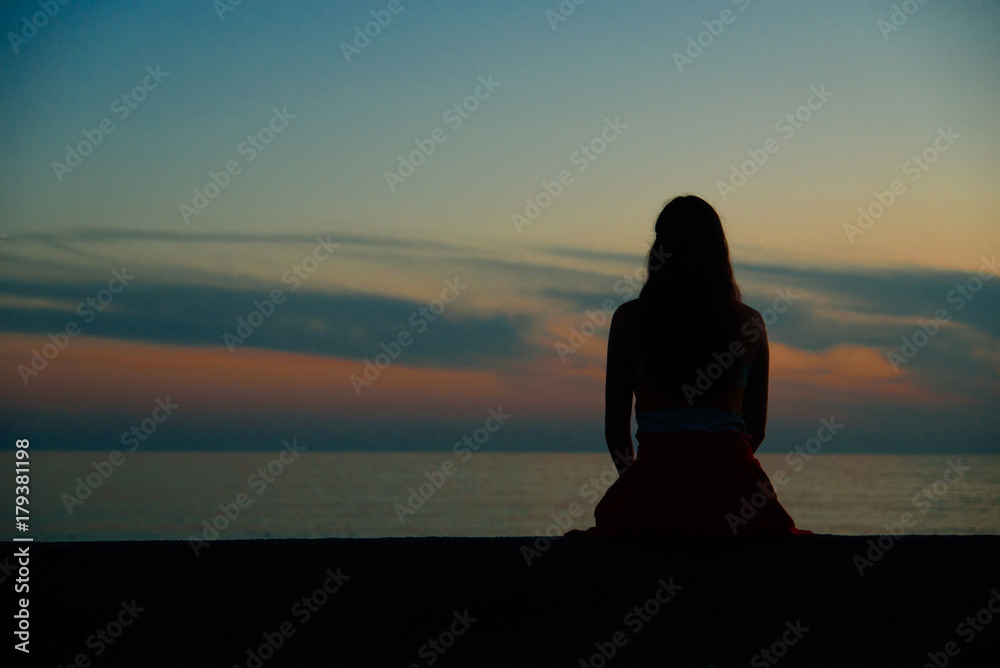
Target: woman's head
[690,250]
[690,303]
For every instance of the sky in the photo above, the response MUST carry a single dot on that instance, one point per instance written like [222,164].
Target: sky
[237,209]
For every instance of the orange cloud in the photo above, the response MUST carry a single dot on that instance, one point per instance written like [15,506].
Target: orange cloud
[105,375]
[843,369]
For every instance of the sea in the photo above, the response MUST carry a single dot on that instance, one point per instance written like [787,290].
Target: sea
[85,496]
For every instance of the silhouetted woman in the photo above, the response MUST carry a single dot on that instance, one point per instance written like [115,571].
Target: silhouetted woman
[696,359]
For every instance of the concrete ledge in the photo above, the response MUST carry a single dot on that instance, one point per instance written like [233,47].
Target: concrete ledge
[697,605]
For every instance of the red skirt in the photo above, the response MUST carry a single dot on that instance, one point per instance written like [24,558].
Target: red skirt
[693,483]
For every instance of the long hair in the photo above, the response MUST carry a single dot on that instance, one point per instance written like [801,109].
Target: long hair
[690,304]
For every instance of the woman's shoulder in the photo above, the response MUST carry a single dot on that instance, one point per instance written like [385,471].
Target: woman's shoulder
[752,327]
[628,308]
[748,311]
[626,313]
[750,315]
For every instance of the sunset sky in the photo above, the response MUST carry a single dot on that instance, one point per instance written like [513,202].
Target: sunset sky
[248,153]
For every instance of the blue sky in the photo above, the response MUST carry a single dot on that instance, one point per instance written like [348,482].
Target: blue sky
[889,97]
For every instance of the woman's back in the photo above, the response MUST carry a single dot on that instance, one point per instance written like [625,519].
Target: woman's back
[717,396]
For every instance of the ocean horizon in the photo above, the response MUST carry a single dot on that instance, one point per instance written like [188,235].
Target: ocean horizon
[155,495]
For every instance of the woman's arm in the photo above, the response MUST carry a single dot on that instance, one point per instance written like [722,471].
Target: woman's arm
[618,388]
[755,394]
